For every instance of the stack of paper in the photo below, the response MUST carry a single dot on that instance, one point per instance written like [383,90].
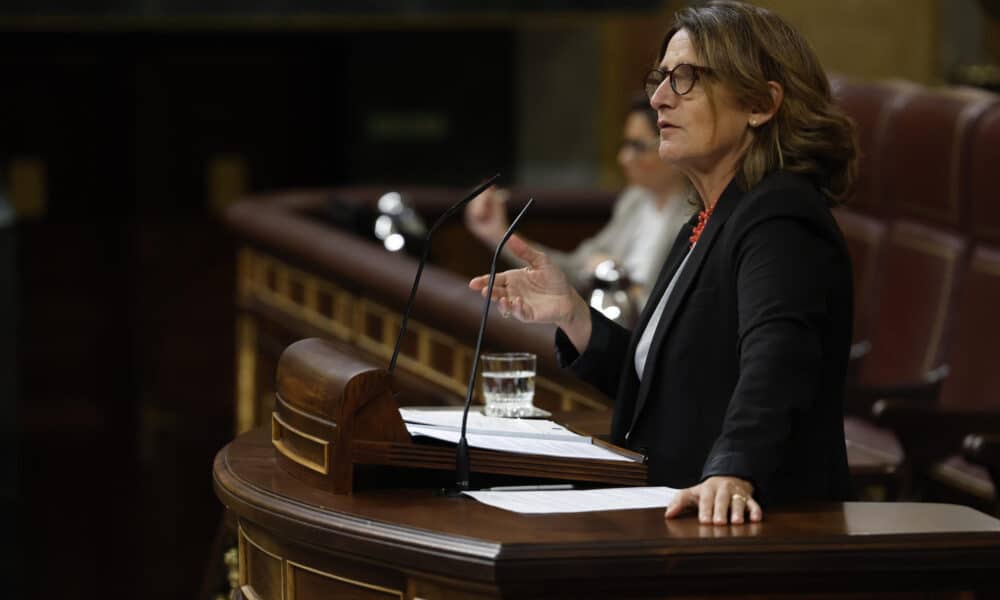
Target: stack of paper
[524,436]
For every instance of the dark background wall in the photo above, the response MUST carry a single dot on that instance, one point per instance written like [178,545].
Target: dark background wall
[293,7]
[124,277]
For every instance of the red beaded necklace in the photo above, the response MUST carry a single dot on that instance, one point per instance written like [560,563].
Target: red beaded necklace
[702,219]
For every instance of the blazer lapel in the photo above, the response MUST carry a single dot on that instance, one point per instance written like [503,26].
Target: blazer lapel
[670,264]
[727,202]
[625,397]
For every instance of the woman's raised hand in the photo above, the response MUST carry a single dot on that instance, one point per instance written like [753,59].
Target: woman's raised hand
[538,293]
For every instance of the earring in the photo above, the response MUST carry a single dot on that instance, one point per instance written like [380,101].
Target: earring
[753,122]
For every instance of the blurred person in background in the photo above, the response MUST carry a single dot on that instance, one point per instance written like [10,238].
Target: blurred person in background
[646,218]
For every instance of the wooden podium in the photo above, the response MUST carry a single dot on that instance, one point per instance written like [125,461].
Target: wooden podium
[300,542]
[335,411]
[308,529]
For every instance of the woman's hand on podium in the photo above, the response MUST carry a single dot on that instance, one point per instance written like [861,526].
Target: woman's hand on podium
[538,293]
[719,500]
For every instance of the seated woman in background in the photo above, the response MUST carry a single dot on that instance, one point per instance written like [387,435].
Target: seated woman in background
[732,382]
[645,221]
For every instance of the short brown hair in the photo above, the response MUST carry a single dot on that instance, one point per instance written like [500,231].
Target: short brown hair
[747,46]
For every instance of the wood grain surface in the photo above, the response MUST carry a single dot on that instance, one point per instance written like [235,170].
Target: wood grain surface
[898,547]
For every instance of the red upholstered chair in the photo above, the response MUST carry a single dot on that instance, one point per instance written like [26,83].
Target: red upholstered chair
[919,270]
[970,396]
[984,450]
[865,237]
[974,381]
[981,168]
[921,153]
[870,104]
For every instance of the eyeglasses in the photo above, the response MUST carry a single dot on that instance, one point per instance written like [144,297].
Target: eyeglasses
[682,78]
[639,146]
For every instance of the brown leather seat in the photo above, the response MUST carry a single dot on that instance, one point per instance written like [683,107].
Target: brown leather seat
[984,450]
[870,104]
[920,268]
[982,190]
[974,382]
[969,401]
[865,237]
[928,156]
[921,153]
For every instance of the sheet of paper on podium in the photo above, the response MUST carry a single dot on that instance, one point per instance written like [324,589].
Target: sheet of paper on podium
[522,436]
[572,501]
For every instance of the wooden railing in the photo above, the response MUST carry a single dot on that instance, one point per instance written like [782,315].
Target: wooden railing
[299,277]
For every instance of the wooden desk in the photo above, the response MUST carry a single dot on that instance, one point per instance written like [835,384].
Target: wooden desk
[299,542]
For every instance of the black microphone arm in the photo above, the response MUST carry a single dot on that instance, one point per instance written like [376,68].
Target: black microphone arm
[462,453]
[479,189]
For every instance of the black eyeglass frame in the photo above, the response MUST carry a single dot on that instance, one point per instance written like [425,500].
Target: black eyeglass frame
[668,74]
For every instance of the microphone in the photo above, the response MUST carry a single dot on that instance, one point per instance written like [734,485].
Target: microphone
[462,452]
[479,189]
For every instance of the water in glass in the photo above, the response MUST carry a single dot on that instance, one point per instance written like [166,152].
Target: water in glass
[508,384]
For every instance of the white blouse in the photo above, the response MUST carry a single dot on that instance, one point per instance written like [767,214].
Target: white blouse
[642,350]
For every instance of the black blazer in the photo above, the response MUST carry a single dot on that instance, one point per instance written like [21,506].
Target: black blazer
[746,370]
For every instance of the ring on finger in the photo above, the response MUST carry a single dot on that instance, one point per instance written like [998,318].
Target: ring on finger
[740,497]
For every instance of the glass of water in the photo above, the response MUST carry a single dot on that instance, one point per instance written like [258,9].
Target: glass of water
[508,384]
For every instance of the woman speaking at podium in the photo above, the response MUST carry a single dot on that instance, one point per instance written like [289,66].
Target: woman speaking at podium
[732,381]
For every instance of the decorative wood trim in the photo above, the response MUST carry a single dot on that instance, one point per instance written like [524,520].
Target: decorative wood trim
[290,586]
[254,285]
[348,322]
[288,574]
[243,535]
[244,573]
[249,593]
[246,372]
[278,426]
[241,557]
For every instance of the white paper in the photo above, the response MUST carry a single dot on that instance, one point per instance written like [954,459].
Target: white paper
[451,418]
[572,501]
[520,444]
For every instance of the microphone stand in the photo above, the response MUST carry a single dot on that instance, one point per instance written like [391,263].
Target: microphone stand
[479,189]
[462,452]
